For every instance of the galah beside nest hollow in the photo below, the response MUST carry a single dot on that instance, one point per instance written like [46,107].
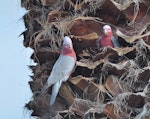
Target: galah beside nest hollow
[108,39]
[61,70]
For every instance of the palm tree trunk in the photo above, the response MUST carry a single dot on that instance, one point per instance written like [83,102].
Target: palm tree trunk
[106,83]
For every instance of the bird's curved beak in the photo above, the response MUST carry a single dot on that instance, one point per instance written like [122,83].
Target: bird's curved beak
[105,32]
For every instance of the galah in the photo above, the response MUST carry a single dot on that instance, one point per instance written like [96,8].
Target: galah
[62,69]
[108,39]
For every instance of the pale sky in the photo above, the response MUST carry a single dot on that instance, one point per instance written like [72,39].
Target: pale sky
[14,58]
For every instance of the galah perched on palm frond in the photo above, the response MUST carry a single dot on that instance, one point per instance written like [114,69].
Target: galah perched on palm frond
[61,69]
[108,39]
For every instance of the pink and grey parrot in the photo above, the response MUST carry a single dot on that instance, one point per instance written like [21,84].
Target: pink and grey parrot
[62,69]
[108,39]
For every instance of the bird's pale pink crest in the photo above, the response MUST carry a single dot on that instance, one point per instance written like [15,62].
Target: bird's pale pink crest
[107,29]
[67,42]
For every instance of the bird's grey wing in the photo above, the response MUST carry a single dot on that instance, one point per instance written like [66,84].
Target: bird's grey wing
[61,70]
[98,42]
[115,41]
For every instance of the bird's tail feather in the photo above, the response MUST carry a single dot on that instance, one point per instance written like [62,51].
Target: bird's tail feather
[55,90]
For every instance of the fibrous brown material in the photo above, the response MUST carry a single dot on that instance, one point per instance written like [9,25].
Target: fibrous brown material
[106,83]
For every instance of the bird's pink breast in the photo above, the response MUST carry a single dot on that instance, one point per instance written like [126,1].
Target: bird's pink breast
[106,41]
[69,52]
